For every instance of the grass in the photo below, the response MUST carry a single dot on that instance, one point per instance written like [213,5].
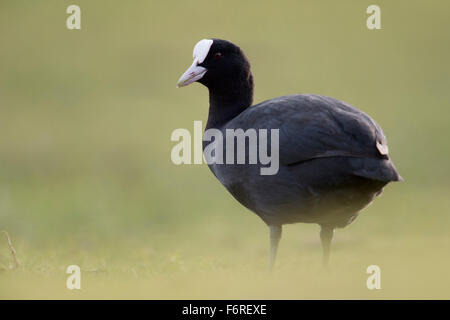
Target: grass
[85,171]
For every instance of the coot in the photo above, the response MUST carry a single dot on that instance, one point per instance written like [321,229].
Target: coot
[333,158]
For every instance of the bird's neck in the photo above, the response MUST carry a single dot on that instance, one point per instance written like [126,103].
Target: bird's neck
[228,101]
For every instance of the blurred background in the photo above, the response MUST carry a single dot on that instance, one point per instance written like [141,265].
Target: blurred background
[85,171]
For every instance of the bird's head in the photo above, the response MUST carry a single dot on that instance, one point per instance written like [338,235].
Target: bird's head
[218,64]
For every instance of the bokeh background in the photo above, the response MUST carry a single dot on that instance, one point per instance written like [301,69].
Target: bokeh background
[85,171]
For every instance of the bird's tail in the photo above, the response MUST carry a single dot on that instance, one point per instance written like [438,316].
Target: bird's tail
[376,169]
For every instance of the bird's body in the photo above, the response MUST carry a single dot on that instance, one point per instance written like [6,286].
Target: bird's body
[333,158]
[330,166]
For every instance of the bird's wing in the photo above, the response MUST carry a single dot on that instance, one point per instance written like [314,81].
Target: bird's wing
[313,126]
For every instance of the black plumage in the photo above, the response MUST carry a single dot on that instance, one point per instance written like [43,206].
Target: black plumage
[333,157]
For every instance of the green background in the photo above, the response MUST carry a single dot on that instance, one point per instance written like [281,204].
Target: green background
[85,171]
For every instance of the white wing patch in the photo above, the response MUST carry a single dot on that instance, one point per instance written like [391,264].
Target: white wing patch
[382,148]
[201,50]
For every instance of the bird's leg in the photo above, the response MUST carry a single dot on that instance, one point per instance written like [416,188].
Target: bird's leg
[275,236]
[326,235]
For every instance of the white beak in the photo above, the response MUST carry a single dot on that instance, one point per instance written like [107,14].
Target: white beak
[194,73]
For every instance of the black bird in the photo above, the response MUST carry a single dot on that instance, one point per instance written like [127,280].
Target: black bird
[333,158]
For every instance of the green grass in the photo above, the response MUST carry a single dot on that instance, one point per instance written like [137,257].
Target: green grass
[85,170]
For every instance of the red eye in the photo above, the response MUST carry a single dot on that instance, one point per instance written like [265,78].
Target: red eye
[217,55]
